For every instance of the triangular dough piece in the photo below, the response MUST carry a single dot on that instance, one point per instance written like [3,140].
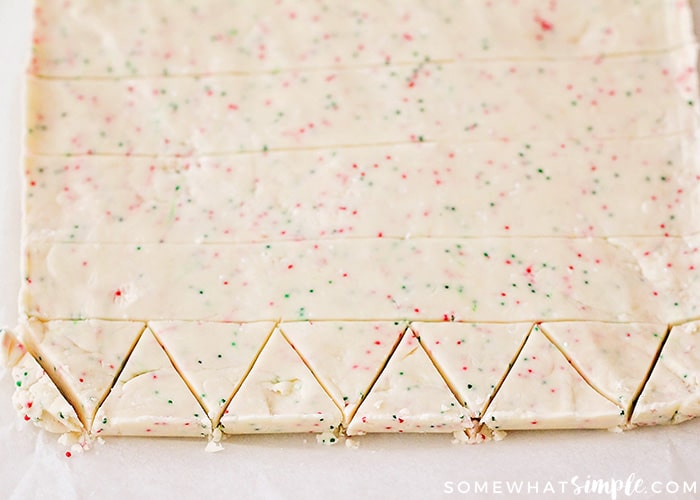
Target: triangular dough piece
[346,356]
[280,394]
[672,393]
[38,399]
[473,357]
[615,358]
[85,356]
[543,391]
[150,398]
[213,358]
[409,396]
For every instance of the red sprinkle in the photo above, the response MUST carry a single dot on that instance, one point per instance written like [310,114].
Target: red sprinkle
[544,24]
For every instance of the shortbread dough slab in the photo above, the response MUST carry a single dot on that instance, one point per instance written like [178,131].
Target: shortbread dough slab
[619,97]
[158,37]
[343,192]
[466,279]
[610,271]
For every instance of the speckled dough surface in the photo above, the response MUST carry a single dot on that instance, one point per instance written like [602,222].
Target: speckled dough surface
[402,216]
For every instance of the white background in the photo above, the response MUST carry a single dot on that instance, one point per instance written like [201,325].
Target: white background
[33,464]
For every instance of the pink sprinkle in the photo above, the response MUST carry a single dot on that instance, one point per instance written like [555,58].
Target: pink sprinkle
[544,25]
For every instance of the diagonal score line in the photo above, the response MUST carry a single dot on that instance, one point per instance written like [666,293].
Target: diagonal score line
[448,383]
[398,340]
[313,373]
[118,372]
[578,369]
[179,371]
[86,420]
[505,375]
[478,411]
[650,370]
[217,418]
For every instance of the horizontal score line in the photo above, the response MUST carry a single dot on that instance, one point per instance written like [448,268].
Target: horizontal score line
[397,64]
[28,241]
[426,142]
[408,322]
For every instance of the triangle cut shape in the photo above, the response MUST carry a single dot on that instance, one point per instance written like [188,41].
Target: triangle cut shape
[410,395]
[38,399]
[280,395]
[474,358]
[615,358]
[150,398]
[213,358]
[672,393]
[345,356]
[543,391]
[84,356]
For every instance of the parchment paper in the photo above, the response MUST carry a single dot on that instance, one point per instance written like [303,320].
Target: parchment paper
[542,464]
